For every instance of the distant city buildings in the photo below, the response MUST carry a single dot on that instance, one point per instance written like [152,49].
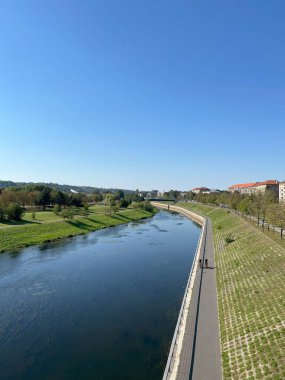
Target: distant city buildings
[205,190]
[198,190]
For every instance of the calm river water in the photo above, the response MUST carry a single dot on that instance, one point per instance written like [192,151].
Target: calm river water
[101,306]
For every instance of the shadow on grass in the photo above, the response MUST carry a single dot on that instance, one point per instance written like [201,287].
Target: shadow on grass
[22,223]
[121,217]
[80,225]
[97,221]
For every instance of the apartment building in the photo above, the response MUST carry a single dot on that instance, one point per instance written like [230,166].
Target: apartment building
[243,188]
[255,187]
[282,192]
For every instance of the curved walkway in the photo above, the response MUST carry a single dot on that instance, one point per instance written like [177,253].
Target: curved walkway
[200,355]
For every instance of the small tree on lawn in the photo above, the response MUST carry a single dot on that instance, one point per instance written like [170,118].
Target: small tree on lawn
[14,212]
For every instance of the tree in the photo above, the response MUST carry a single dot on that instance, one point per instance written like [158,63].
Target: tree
[119,194]
[14,212]
[244,206]
[2,214]
[59,198]
[44,198]
[68,213]
[268,198]
[123,203]
[280,219]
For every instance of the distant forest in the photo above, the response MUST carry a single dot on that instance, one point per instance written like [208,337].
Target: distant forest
[64,188]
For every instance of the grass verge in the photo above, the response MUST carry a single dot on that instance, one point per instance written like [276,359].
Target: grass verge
[251,297]
[30,234]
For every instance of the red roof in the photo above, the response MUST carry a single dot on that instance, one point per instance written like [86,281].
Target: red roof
[268,182]
[242,185]
[254,184]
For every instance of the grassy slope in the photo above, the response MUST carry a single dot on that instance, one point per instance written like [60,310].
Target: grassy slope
[29,234]
[251,298]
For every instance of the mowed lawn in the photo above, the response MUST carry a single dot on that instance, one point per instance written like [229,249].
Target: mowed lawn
[14,237]
[50,216]
[251,297]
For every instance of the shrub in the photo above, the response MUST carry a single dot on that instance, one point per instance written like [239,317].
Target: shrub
[68,213]
[57,209]
[14,212]
[229,239]
[146,206]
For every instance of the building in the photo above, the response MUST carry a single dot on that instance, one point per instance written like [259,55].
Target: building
[255,187]
[282,192]
[272,185]
[243,188]
[198,190]
[212,191]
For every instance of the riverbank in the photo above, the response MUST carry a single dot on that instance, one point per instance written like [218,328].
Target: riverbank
[251,294]
[197,331]
[35,233]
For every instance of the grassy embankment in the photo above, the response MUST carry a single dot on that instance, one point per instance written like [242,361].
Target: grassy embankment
[251,297]
[48,226]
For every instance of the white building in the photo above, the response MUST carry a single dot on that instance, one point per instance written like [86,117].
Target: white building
[198,190]
[282,192]
[256,187]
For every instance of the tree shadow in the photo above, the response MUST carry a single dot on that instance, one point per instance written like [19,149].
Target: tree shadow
[21,223]
[96,221]
[121,217]
[80,225]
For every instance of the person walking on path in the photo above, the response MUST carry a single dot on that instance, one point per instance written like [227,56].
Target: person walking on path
[200,263]
[206,263]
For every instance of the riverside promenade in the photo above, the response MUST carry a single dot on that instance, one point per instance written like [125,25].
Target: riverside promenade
[195,351]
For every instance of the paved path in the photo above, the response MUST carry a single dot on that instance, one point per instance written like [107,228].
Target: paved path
[207,354]
[200,357]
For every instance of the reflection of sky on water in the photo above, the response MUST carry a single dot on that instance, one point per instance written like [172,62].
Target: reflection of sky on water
[102,305]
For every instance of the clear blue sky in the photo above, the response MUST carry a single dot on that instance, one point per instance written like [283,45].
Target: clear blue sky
[142,93]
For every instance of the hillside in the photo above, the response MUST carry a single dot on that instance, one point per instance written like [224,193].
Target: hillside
[64,188]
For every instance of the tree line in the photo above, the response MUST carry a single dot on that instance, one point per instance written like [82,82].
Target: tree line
[264,206]
[15,201]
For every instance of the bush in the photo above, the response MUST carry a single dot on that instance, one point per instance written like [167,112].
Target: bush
[229,239]
[57,209]
[14,212]
[146,206]
[123,203]
[68,213]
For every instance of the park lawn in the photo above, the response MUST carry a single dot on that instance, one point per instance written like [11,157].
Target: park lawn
[98,209]
[251,297]
[25,235]
[41,216]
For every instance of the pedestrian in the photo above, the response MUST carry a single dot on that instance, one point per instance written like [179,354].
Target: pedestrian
[206,263]
[200,263]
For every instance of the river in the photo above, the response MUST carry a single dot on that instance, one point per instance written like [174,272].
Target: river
[101,306]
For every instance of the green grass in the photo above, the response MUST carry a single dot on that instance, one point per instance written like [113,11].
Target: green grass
[32,233]
[251,297]
[41,216]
